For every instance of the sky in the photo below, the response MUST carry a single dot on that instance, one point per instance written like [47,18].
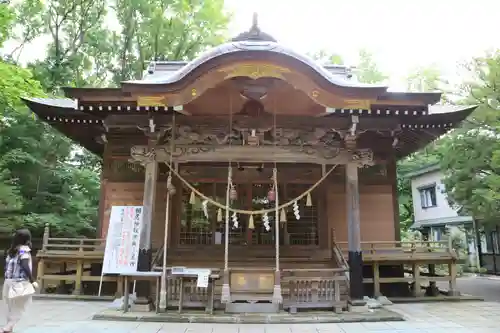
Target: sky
[402,34]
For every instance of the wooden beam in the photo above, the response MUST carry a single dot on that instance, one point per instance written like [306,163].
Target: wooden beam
[251,154]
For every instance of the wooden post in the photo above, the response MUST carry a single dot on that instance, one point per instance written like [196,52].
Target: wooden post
[41,263]
[354,237]
[213,220]
[336,284]
[145,252]
[45,239]
[376,280]
[416,280]
[452,268]
[119,287]
[333,239]
[79,271]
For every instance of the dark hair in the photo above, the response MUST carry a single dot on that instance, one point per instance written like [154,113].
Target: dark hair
[21,237]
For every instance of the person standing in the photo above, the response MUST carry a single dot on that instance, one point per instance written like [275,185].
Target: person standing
[17,292]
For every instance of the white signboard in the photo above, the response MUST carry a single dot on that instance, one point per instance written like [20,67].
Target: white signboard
[202,279]
[122,242]
[202,274]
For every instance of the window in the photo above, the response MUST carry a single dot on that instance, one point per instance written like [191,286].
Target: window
[436,234]
[428,196]
[490,242]
[494,242]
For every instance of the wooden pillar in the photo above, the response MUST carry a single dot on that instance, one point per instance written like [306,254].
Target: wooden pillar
[376,280]
[105,171]
[354,234]
[176,215]
[322,225]
[145,251]
[393,178]
[416,280]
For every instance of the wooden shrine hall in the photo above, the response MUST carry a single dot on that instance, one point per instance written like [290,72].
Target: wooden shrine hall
[276,173]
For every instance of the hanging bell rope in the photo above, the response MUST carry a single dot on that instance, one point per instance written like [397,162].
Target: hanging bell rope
[226,289]
[170,192]
[249,212]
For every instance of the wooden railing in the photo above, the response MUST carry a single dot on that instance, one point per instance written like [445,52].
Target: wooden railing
[80,252]
[201,237]
[207,237]
[409,253]
[192,296]
[315,288]
[70,246]
[395,248]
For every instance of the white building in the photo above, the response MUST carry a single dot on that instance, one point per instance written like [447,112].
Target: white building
[431,208]
[433,215]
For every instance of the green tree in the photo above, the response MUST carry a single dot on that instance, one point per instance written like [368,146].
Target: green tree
[367,70]
[424,79]
[45,178]
[326,58]
[79,52]
[165,30]
[471,155]
[472,165]
[39,182]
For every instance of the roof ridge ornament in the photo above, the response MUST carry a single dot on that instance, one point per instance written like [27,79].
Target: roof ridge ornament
[254,33]
[254,29]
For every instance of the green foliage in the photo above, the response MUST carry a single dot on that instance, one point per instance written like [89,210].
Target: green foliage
[326,58]
[165,30]
[471,155]
[6,17]
[45,178]
[367,69]
[472,179]
[423,79]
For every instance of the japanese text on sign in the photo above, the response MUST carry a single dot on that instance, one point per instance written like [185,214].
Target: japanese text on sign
[122,242]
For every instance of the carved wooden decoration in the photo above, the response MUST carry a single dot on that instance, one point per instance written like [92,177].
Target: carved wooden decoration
[254,70]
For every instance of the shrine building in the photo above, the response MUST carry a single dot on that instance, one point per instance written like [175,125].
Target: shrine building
[256,161]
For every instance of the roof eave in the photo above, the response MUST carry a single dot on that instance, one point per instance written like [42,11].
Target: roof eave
[426,98]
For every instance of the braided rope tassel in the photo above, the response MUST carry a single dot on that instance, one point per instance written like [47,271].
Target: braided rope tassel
[226,291]
[277,297]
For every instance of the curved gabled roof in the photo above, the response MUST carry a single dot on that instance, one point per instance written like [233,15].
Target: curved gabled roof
[254,50]
[252,45]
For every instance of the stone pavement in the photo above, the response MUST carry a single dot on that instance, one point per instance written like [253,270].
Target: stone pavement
[487,287]
[74,317]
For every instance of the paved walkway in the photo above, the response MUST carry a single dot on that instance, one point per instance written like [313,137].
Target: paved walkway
[487,287]
[74,317]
